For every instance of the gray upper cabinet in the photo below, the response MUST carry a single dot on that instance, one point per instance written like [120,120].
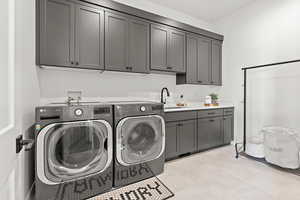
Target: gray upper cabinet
[192,60]
[177,53]
[204,61]
[139,47]
[116,42]
[89,45]
[126,43]
[57,24]
[71,35]
[216,68]
[159,47]
[168,51]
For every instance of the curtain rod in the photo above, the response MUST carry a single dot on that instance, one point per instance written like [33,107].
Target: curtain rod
[271,64]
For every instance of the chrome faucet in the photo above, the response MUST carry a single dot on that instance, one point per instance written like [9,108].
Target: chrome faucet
[162,99]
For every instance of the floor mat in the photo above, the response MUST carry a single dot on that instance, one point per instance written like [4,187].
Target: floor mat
[149,189]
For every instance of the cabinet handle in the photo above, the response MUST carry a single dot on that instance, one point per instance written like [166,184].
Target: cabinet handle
[77,63]
[179,124]
[200,81]
[211,82]
[211,120]
[72,62]
[129,68]
[211,113]
[169,67]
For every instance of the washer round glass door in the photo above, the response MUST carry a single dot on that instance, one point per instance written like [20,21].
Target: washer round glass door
[75,149]
[140,139]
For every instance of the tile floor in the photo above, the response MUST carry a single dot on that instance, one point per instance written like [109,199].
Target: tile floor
[217,175]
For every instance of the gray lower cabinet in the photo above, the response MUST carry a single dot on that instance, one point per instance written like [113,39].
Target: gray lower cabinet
[167,49]
[126,43]
[171,149]
[187,136]
[228,128]
[70,34]
[210,133]
[192,131]
[180,138]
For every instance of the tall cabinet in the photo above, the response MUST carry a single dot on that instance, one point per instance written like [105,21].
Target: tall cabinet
[70,35]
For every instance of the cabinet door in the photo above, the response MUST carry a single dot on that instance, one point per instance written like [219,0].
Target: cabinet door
[116,42]
[203,139]
[187,136]
[210,133]
[89,37]
[176,51]
[171,140]
[139,46]
[216,137]
[204,61]
[57,18]
[228,129]
[159,47]
[192,60]
[216,68]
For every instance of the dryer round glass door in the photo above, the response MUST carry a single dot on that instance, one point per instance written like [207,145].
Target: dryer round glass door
[140,139]
[75,149]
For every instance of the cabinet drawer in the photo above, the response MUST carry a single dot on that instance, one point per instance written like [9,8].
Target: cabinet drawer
[181,115]
[210,113]
[228,111]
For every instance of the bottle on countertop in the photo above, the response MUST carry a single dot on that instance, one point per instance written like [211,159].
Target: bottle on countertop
[181,101]
[207,101]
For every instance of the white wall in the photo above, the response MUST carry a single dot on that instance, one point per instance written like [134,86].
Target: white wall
[56,83]
[263,32]
[29,98]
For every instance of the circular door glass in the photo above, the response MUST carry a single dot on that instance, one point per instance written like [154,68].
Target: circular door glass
[141,138]
[76,149]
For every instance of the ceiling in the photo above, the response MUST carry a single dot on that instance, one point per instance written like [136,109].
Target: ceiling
[208,10]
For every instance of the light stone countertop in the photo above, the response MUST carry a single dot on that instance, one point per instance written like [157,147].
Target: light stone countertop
[196,106]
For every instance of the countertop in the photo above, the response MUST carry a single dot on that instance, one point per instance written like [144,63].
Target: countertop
[195,106]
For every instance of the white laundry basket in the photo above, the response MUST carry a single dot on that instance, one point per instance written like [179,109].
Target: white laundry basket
[255,146]
[282,147]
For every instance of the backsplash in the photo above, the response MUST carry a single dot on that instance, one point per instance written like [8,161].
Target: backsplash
[55,82]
